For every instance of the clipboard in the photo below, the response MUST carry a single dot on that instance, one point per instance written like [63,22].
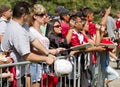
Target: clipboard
[81,47]
[110,46]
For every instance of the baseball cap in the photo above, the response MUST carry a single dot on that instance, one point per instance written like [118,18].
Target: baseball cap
[64,12]
[58,9]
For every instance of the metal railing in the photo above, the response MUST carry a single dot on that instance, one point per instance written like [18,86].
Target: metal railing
[71,80]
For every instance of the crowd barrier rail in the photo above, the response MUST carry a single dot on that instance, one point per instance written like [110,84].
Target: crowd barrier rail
[71,80]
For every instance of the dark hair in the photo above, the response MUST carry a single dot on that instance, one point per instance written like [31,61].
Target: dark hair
[105,33]
[50,27]
[102,11]
[3,8]
[20,8]
[78,14]
[87,11]
[63,13]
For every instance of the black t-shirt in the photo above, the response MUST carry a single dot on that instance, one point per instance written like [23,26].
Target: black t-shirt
[57,41]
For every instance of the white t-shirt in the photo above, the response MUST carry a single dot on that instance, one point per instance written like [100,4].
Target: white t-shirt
[3,25]
[44,40]
[18,39]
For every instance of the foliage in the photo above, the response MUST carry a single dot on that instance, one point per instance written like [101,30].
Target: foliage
[70,4]
[50,5]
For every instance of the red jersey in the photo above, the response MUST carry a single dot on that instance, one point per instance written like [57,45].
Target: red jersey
[78,38]
[107,41]
[85,39]
[74,40]
[92,29]
[118,23]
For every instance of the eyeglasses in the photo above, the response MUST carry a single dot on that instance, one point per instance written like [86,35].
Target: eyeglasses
[41,15]
[57,26]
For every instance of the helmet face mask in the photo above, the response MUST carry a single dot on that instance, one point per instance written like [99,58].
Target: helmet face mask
[62,67]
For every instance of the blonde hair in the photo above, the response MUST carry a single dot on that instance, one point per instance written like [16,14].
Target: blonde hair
[36,10]
[39,9]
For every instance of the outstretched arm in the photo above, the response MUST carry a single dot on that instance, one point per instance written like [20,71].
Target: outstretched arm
[104,19]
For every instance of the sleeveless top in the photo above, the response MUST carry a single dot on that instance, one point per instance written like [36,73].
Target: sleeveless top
[78,38]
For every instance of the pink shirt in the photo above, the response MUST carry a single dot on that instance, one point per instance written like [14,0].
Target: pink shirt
[65,27]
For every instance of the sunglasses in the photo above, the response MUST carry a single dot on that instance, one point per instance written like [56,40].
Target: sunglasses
[57,26]
[41,15]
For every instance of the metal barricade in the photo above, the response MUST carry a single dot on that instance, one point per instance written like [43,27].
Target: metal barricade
[7,68]
[99,71]
[71,80]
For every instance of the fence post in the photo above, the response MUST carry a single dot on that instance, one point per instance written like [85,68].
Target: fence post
[101,69]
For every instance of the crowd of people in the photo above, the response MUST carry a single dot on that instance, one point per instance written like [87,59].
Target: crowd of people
[32,34]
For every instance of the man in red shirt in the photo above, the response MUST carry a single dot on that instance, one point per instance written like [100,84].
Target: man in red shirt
[89,15]
[118,34]
[118,23]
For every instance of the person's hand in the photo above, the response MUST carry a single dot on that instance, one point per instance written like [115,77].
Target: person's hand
[50,59]
[100,27]
[86,26]
[108,10]
[7,53]
[97,26]
[11,78]
[52,51]
[10,60]
[100,48]
[103,28]
[72,23]
[58,50]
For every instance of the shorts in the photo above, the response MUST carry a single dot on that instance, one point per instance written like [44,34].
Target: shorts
[111,73]
[36,72]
